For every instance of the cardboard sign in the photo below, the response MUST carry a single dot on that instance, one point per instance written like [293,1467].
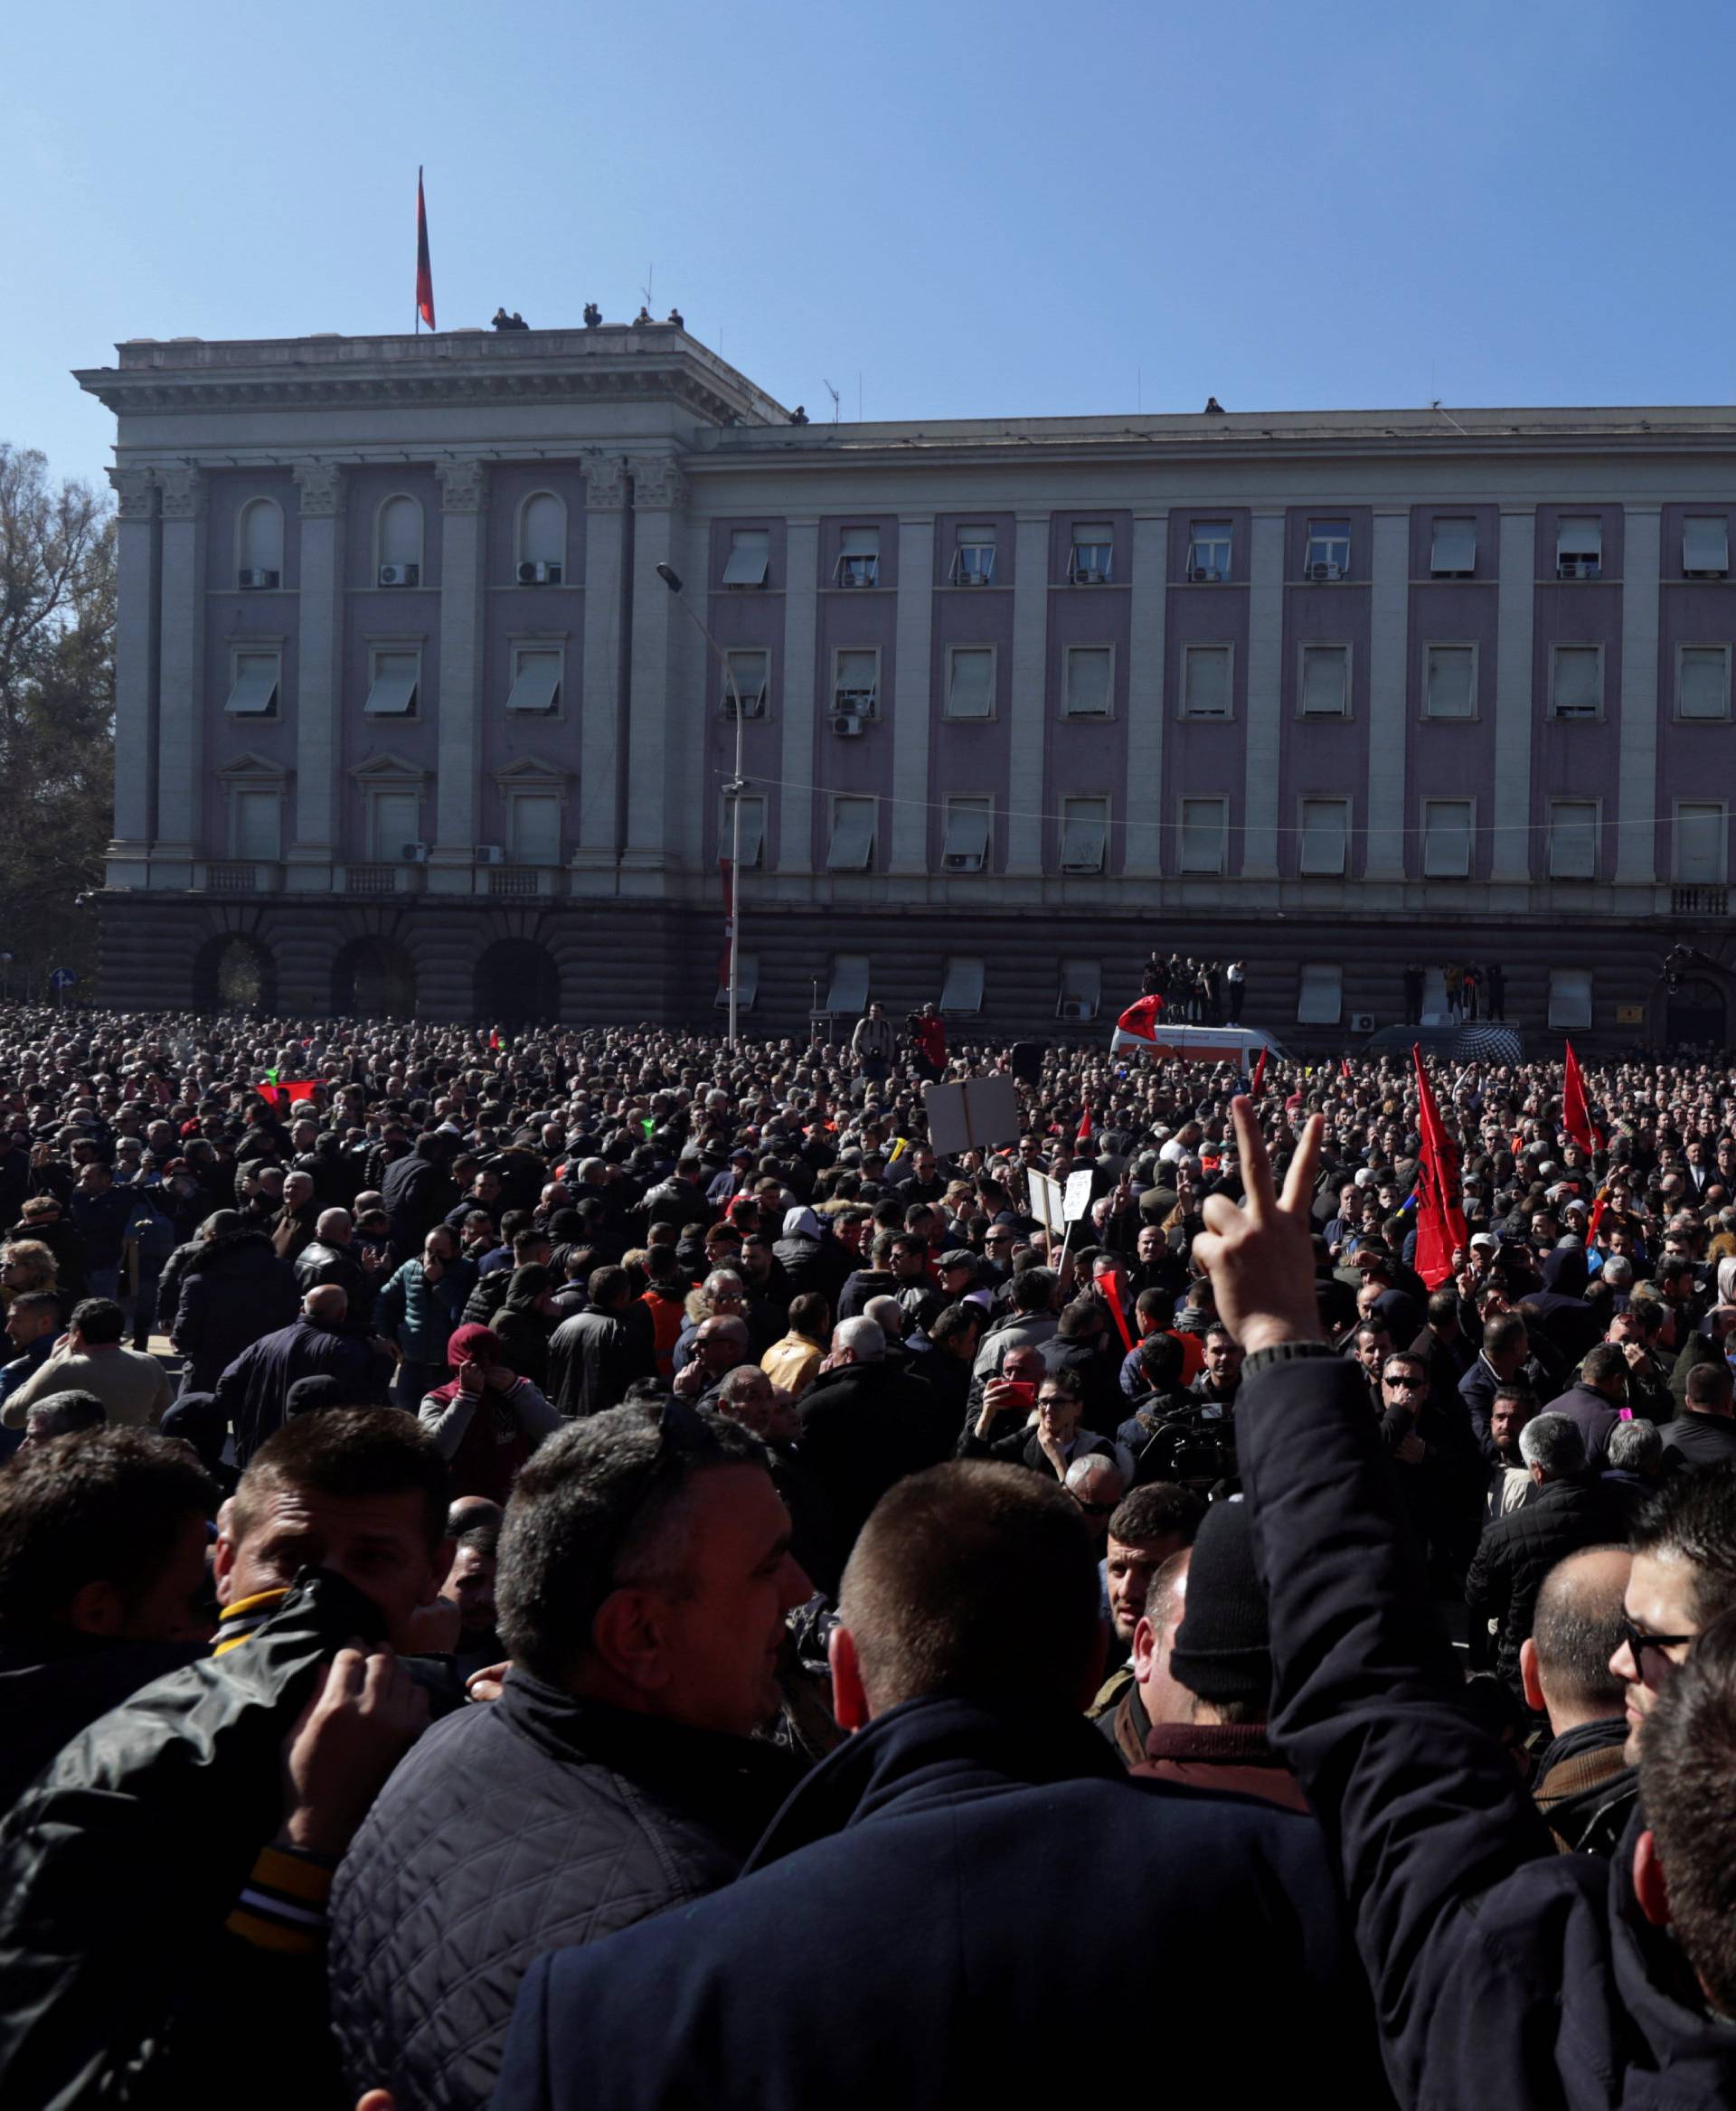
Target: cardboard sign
[1079,1195]
[1048,1204]
[972,1117]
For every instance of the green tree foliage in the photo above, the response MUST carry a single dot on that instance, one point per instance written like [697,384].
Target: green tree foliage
[57,714]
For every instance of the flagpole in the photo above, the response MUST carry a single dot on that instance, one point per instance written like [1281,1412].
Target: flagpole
[416,305]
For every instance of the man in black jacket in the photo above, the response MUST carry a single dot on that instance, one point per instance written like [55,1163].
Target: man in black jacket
[863,1426]
[1503,1971]
[644,1575]
[595,1355]
[1704,1432]
[332,1256]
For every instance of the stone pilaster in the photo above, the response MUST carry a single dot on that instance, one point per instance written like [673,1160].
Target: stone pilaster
[1264,750]
[464,503]
[664,671]
[136,616]
[913,689]
[181,715]
[599,760]
[319,656]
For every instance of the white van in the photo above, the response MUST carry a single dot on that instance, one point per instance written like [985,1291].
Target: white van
[1239,1045]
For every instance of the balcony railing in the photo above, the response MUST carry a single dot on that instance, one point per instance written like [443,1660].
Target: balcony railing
[372,878]
[516,886]
[233,879]
[1707,902]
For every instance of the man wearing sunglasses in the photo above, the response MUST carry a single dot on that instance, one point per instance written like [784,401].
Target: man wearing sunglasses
[1682,1577]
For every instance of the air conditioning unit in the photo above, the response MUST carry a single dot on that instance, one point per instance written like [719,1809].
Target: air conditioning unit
[531,574]
[1200,573]
[414,854]
[1579,567]
[863,703]
[400,575]
[1362,1022]
[1086,575]
[857,573]
[969,576]
[1326,572]
[260,578]
[847,722]
[1074,1008]
[490,854]
[963,861]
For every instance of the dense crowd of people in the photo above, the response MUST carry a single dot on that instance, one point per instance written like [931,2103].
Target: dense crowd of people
[594,1566]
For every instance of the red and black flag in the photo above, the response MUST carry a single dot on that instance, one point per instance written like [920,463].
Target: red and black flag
[424,269]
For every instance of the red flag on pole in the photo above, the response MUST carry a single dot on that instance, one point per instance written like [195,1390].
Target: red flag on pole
[424,269]
[1258,1080]
[1576,1117]
[1440,1220]
[1141,1018]
[1114,1286]
[1598,1208]
[1344,1065]
[1083,1134]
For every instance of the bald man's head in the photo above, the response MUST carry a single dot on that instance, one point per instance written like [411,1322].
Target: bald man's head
[326,1305]
[1565,1660]
[333,1227]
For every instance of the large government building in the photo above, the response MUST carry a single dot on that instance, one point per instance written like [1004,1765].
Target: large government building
[408,720]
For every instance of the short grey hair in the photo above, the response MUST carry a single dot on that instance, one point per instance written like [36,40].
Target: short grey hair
[746,1378]
[723,1280]
[888,1316]
[1088,1468]
[1553,1443]
[1636,1447]
[864,1338]
[1618,1271]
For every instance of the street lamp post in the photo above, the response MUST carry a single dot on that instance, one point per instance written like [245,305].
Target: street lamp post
[672,579]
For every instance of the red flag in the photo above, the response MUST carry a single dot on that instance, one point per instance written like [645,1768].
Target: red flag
[1344,1064]
[1440,1220]
[280,1097]
[1597,1208]
[1259,1077]
[1116,1290]
[1083,1134]
[1141,1018]
[1576,1118]
[424,269]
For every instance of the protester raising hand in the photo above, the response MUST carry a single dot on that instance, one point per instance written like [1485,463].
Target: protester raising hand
[1260,1255]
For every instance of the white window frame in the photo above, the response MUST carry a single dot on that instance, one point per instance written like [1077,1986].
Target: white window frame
[1319,993]
[959,832]
[242,650]
[1324,644]
[857,569]
[1347,808]
[753,829]
[375,796]
[1081,987]
[1682,806]
[245,788]
[1450,718]
[1326,550]
[973,542]
[379,558]
[522,555]
[1571,999]
[1182,806]
[1203,568]
[1079,572]
[1469,807]
[1563,830]
[961,981]
[522,649]
[518,795]
[865,703]
[1437,569]
[1228,651]
[747,579]
[1569,550]
[1081,810]
[1714,555]
[394,647]
[972,717]
[1701,718]
[1582,718]
[248,507]
[756,700]
[842,802]
[1068,654]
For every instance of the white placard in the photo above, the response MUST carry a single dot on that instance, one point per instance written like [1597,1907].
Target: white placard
[1079,1195]
[1048,1205]
[976,1116]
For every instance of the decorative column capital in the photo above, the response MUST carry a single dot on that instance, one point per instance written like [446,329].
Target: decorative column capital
[604,483]
[658,482]
[321,488]
[183,492]
[464,484]
[134,494]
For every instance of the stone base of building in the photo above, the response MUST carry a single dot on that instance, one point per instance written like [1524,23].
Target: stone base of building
[618,962]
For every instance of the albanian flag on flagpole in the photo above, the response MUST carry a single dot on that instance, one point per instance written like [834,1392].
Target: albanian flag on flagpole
[424,269]
[1258,1084]
[1141,1018]
[1576,1117]
[1440,1220]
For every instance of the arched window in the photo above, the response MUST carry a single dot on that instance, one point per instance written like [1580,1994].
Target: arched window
[258,543]
[542,540]
[398,535]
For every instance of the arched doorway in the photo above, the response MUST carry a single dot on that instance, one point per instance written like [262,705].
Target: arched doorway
[233,972]
[517,984]
[1696,1015]
[373,978]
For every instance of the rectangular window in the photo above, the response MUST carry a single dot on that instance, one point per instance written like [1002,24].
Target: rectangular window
[1093,556]
[1204,825]
[961,990]
[846,993]
[1570,999]
[259,826]
[536,680]
[1081,989]
[1446,839]
[535,821]
[1320,995]
[746,983]
[973,559]
[964,848]
[1576,681]
[1450,682]
[855,683]
[395,676]
[1326,681]
[1329,550]
[852,848]
[253,694]
[858,562]
[1084,834]
[1206,686]
[1702,682]
[1452,552]
[395,822]
[754,828]
[1208,550]
[1325,837]
[1700,843]
[1572,839]
[1705,546]
[750,555]
[750,672]
[1090,672]
[1578,547]
[970,681]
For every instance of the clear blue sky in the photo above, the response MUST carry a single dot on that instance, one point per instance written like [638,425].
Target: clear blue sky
[1012,207]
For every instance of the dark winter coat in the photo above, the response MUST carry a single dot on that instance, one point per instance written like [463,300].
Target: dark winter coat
[52,1686]
[1698,1440]
[417,1193]
[318,1264]
[943,1882]
[1591,1415]
[1518,1550]
[863,1428]
[507,1832]
[593,1358]
[253,1393]
[233,1291]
